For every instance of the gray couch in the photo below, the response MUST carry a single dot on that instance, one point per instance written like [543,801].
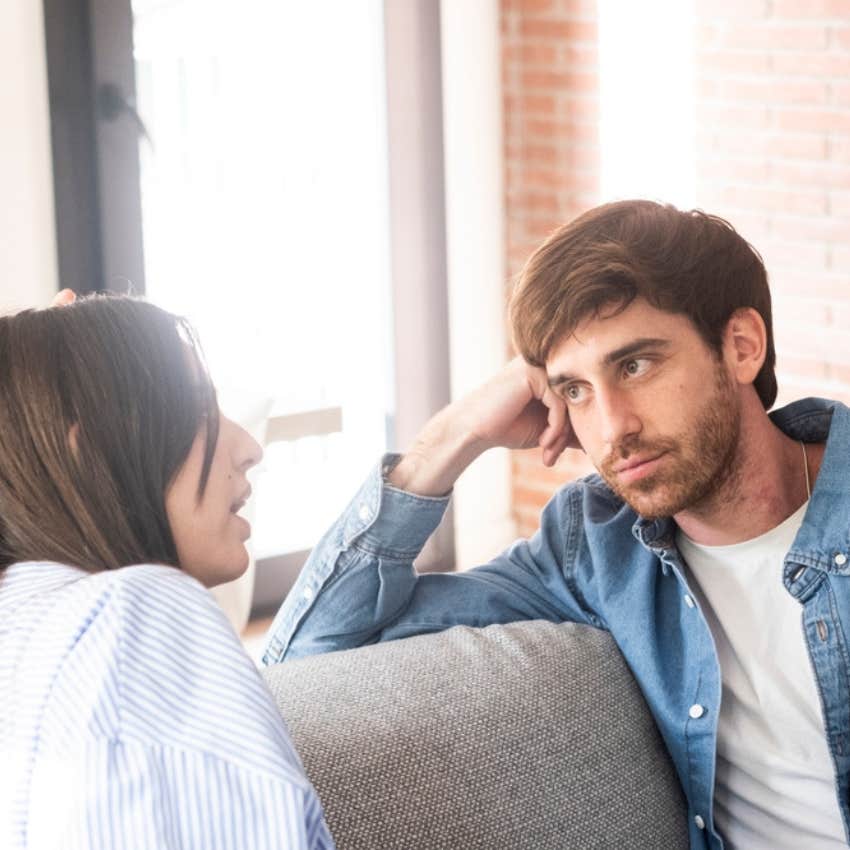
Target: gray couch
[530,735]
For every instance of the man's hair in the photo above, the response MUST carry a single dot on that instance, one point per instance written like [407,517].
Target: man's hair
[689,263]
[100,403]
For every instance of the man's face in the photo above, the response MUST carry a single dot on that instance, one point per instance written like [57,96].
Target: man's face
[653,406]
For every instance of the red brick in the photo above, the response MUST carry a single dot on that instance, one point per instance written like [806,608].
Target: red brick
[732,62]
[578,56]
[540,104]
[726,141]
[788,309]
[811,9]
[839,257]
[531,498]
[797,147]
[789,368]
[825,229]
[705,35]
[824,64]
[729,170]
[533,154]
[538,229]
[571,162]
[841,93]
[754,227]
[726,9]
[571,81]
[814,120]
[829,345]
[530,54]
[581,183]
[796,92]
[536,53]
[559,30]
[839,204]
[810,174]
[841,37]
[770,36]
[776,200]
[534,7]
[708,89]
[578,109]
[839,312]
[752,117]
[794,255]
[839,149]
[817,284]
[535,202]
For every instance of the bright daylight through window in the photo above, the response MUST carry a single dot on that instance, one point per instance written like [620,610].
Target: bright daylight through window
[265,222]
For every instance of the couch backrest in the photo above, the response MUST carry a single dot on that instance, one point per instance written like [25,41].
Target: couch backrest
[530,735]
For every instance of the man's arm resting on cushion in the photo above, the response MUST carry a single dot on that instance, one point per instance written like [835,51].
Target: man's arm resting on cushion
[359,585]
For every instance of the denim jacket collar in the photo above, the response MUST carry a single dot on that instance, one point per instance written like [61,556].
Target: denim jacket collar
[823,541]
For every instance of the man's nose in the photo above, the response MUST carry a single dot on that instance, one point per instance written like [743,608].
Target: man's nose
[618,418]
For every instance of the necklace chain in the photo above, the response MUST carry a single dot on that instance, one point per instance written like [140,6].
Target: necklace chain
[806,467]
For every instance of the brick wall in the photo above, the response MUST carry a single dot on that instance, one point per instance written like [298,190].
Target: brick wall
[772,104]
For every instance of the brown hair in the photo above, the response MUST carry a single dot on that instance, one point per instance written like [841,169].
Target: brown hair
[689,263]
[100,403]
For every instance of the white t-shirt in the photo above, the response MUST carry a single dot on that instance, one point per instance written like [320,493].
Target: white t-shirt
[775,781]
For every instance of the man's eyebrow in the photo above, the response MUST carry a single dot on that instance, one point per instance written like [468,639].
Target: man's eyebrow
[628,350]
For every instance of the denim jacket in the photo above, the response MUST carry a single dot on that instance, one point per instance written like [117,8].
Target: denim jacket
[593,561]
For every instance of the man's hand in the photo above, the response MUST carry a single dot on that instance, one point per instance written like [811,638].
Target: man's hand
[518,410]
[515,409]
[63,298]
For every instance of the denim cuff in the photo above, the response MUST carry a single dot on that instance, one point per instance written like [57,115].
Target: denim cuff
[387,521]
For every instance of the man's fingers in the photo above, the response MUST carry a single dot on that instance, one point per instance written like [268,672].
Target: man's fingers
[556,419]
[63,298]
[553,452]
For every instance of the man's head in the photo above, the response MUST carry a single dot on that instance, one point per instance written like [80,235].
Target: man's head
[654,326]
[689,263]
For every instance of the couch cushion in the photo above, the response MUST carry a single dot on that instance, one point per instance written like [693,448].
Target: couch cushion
[529,735]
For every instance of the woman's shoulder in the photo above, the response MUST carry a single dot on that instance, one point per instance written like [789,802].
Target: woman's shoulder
[144,653]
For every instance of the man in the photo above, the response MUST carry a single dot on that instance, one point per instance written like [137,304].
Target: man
[714,544]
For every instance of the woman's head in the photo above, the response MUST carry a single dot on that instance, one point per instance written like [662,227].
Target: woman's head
[112,451]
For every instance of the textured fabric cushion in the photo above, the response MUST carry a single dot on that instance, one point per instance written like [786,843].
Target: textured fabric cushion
[529,735]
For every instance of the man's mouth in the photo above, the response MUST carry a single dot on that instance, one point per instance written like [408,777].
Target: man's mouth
[637,467]
[632,462]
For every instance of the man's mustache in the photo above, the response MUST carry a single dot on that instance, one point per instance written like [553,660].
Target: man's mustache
[631,447]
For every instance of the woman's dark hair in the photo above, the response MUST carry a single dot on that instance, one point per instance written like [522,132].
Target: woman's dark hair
[100,403]
[689,263]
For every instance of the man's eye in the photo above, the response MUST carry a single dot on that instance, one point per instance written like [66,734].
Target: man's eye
[636,367]
[574,393]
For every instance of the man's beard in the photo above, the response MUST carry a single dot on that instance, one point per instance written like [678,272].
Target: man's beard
[697,464]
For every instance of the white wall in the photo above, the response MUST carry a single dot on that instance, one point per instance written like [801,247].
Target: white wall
[472,134]
[28,268]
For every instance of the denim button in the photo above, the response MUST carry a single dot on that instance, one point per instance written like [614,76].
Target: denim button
[840,559]
[308,593]
[699,822]
[689,601]
[696,711]
[364,513]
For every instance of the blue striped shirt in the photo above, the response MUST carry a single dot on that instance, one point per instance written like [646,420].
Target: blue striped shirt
[130,717]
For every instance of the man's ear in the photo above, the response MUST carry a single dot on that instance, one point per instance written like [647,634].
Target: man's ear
[745,344]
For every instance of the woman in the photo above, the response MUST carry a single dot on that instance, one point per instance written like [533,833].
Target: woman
[131,717]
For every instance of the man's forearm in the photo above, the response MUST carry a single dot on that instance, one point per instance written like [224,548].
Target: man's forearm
[444,448]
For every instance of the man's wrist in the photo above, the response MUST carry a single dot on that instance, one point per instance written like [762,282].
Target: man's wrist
[442,451]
